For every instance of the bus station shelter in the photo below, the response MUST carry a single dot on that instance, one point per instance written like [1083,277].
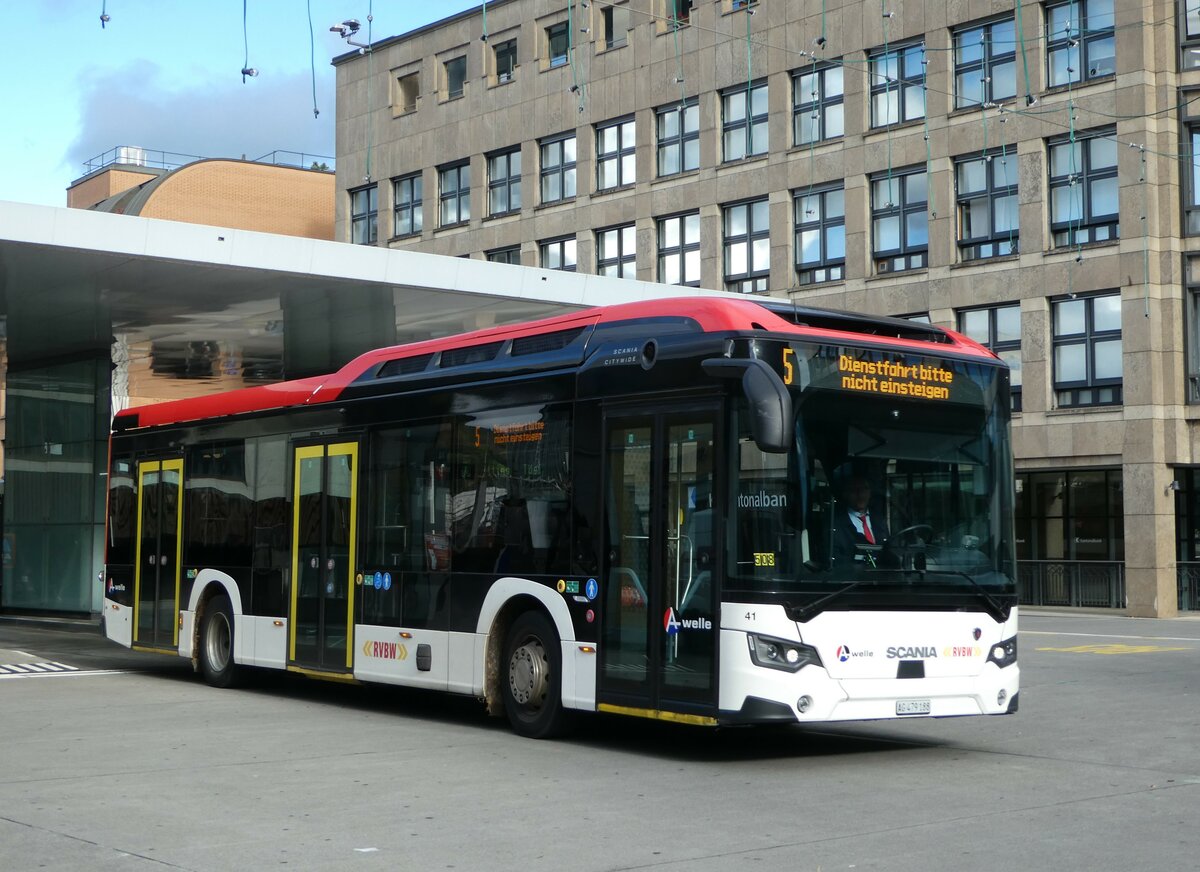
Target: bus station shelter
[101,312]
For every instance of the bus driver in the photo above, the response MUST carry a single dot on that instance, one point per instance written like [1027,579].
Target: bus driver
[857,524]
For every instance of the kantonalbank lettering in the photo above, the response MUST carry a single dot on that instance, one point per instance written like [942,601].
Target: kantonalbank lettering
[894,378]
[762,500]
[919,652]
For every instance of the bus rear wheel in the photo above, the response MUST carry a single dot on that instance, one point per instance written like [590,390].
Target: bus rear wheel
[532,678]
[216,644]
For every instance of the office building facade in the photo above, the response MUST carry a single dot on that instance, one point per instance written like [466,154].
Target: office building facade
[1022,172]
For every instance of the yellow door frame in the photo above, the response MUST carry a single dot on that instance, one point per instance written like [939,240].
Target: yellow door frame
[324,451]
[145,468]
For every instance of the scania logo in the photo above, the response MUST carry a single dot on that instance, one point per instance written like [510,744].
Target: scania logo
[977,633]
[916,652]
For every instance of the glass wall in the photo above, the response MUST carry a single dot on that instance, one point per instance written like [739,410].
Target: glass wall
[1070,515]
[56,448]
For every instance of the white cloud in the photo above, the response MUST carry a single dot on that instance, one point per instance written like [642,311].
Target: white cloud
[131,105]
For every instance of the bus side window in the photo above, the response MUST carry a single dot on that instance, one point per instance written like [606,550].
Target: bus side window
[407,524]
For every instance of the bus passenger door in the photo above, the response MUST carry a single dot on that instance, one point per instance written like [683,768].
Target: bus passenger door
[660,618]
[324,510]
[160,535]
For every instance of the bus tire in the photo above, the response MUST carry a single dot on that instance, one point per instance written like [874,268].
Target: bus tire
[216,644]
[531,678]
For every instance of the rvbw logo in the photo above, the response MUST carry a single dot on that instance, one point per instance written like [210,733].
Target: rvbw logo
[673,624]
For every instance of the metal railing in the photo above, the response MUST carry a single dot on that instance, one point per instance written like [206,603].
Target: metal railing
[300,159]
[1079,583]
[133,155]
[1188,575]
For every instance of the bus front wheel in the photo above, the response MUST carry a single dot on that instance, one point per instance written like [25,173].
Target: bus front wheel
[216,644]
[532,678]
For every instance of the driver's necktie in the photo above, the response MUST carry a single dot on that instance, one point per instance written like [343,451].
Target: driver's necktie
[867,529]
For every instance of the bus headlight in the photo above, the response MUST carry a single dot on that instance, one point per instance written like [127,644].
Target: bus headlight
[1004,653]
[781,654]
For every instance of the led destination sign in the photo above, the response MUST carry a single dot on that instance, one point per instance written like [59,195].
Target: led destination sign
[895,378]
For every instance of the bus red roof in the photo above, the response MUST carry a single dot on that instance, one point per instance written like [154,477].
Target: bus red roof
[712,314]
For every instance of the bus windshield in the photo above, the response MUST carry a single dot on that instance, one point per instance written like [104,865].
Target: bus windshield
[883,486]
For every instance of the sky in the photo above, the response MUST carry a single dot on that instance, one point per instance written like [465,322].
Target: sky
[165,75]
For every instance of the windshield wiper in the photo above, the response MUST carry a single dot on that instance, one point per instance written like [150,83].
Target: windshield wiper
[997,608]
[807,611]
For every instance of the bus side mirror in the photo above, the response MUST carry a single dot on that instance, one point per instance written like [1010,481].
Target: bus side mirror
[771,422]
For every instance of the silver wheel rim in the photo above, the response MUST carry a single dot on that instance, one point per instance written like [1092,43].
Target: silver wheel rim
[529,675]
[217,642]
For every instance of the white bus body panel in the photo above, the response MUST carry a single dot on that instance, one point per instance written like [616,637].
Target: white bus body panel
[266,643]
[466,651]
[118,623]
[860,652]
[579,676]
[382,654]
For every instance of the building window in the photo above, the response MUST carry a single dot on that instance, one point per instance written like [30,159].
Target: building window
[511,254]
[1087,350]
[456,76]
[406,195]
[897,85]
[616,25]
[820,219]
[817,110]
[455,193]
[1191,174]
[986,187]
[364,210]
[985,64]
[747,247]
[1186,484]
[1070,515]
[408,89]
[1189,34]
[505,54]
[1081,43]
[558,168]
[678,129]
[558,253]
[504,182]
[616,252]
[744,133]
[1192,314]
[679,249]
[616,146]
[899,222]
[557,43]
[679,12]
[1083,189]
[998,328]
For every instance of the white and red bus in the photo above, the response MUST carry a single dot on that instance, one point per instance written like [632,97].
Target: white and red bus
[702,510]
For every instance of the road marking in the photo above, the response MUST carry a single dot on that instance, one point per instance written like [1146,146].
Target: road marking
[1111,636]
[43,666]
[1114,649]
[78,673]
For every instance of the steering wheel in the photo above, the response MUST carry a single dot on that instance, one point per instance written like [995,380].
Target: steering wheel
[898,536]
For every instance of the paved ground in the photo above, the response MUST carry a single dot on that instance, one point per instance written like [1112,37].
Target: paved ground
[131,763]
